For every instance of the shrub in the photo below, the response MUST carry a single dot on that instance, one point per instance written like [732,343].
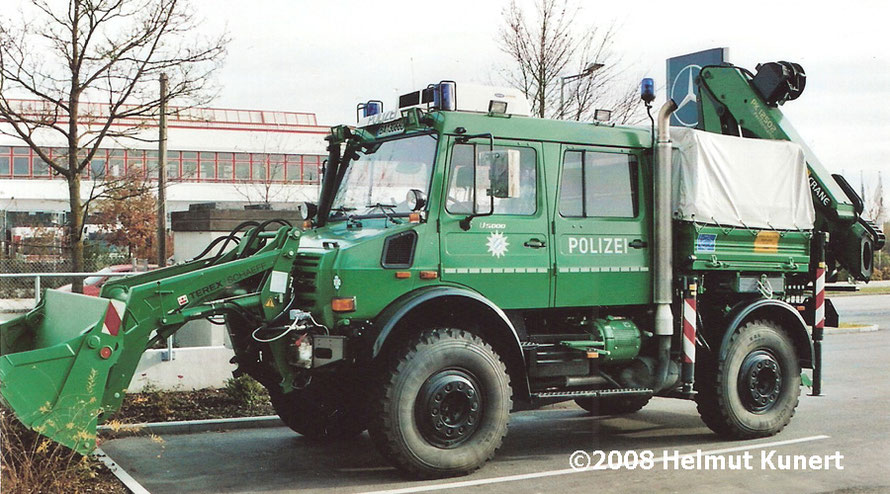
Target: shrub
[246,391]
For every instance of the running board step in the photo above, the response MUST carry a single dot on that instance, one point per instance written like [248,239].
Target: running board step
[594,393]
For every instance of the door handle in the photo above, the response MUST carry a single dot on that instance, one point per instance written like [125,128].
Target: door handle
[637,244]
[535,243]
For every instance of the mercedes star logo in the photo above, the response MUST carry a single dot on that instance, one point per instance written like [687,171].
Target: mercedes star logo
[683,92]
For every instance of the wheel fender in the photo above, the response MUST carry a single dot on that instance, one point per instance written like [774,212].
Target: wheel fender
[776,310]
[506,335]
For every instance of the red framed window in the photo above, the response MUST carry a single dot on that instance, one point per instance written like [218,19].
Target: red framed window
[225,166]
[5,161]
[207,166]
[21,161]
[136,162]
[276,167]
[258,164]
[174,164]
[189,165]
[311,167]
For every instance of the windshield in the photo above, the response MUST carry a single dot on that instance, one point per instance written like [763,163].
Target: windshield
[383,176]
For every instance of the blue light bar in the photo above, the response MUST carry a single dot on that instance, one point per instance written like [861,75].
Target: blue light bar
[372,107]
[647,90]
[444,96]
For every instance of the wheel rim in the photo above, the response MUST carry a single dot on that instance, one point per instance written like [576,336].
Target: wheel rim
[760,381]
[449,408]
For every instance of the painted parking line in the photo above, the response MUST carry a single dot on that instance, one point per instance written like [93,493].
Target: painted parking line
[128,481]
[567,471]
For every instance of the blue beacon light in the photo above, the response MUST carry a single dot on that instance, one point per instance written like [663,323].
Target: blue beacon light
[647,90]
[443,96]
[372,108]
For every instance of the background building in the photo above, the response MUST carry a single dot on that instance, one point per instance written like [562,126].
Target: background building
[238,157]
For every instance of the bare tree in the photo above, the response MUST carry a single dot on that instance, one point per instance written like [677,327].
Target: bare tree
[110,52]
[550,46]
[269,184]
[875,208]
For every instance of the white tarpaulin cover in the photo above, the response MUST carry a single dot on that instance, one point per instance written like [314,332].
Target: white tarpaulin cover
[728,180]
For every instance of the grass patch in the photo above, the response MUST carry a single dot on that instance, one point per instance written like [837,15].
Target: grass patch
[863,290]
[875,290]
[32,463]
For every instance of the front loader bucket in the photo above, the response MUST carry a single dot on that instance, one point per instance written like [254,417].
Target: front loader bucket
[54,364]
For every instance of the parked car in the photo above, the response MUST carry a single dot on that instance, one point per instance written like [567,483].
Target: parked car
[93,284]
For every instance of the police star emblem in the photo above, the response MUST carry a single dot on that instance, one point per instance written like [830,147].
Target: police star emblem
[497,244]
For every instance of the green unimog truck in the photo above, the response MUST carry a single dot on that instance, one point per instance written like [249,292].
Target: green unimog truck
[465,260]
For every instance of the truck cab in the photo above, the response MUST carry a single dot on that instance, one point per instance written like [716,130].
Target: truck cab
[574,233]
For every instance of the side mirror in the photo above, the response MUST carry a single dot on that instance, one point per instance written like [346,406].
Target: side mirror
[416,199]
[503,172]
[307,210]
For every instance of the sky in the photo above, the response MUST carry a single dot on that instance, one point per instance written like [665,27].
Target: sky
[326,56]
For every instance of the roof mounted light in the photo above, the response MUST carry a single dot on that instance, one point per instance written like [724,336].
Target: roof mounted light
[442,96]
[372,107]
[497,107]
[647,90]
[445,96]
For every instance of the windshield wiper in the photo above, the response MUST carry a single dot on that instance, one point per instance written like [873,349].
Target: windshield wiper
[383,209]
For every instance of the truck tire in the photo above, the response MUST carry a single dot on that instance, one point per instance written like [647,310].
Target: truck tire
[443,406]
[613,405]
[755,389]
[324,410]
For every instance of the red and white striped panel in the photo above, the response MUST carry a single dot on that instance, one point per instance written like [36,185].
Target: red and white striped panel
[113,316]
[819,320]
[689,318]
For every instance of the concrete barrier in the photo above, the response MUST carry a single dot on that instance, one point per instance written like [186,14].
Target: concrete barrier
[191,368]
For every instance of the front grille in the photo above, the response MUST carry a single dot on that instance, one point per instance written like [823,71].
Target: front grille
[398,250]
[306,279]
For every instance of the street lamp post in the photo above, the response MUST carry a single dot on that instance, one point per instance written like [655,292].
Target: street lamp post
[591,68]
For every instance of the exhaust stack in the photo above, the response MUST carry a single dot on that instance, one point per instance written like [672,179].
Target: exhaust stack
[663,268]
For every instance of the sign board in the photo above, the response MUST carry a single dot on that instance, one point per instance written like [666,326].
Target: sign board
[681,74]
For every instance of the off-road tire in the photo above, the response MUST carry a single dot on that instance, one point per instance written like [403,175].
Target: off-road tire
[613,405]
[327,409]
[443,379]
[727,400]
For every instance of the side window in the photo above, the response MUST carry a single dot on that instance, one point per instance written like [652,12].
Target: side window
[459,199]
[571,193]
[460,184]
[595,184]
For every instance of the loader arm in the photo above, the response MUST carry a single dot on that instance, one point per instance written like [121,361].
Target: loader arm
[65,365]
[731,104]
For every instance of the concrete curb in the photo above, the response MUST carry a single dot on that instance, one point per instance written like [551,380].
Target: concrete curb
[192,426]
[865,328]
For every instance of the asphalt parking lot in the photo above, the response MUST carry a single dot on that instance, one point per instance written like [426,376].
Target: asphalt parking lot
[847,429]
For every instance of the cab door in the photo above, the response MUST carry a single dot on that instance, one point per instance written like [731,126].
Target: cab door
[505,256]
[601,229]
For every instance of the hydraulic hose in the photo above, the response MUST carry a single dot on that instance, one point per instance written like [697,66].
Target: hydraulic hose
[212,244]
[231,236]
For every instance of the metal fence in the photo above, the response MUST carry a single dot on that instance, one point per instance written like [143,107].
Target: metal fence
[39,277]
[25,279]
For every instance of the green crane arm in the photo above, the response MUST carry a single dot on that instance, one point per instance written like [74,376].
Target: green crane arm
[729,103]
